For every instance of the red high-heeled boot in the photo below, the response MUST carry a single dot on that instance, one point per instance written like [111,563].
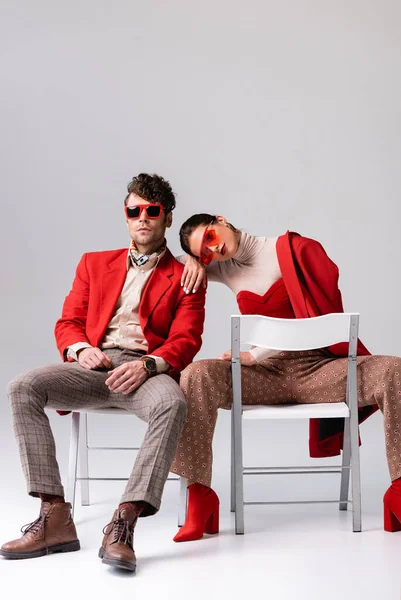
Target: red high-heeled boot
[392,507]
[202,514]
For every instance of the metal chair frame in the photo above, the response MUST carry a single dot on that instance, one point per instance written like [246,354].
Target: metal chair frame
[323,331]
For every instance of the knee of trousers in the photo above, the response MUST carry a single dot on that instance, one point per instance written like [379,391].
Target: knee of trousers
[389,382]
[26,388]
[205,372]
[172,402]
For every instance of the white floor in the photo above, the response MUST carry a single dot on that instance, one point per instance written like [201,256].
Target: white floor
[307,551]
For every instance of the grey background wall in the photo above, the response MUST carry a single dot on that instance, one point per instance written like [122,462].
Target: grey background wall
[278,115]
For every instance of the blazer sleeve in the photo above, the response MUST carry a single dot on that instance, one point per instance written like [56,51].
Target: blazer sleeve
[185,336]
[319,274]
[322,294]
[71,327]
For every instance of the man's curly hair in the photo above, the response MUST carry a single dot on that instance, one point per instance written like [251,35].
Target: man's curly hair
[152,188]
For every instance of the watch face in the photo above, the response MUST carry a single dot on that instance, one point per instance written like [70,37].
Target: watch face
[150,365]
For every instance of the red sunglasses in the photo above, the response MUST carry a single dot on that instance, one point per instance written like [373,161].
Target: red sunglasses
[209,239]
[153,211]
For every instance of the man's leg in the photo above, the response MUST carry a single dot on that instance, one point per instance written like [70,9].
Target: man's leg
[65,386]
[161,403]
[158,401]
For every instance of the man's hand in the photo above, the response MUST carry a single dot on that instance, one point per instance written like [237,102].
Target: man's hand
[193,275]
[246,358]
[93,358]
[127,377]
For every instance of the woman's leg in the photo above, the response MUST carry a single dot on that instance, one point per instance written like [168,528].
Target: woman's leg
[207,386]
[378,382]
[291,377]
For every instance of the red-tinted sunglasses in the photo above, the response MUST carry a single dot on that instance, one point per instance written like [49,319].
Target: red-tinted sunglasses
[153,211]
[209,239]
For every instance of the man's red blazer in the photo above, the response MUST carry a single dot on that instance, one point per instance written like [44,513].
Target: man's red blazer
[171,320]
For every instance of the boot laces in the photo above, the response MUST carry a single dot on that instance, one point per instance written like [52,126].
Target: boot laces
[122,531]
[35,526]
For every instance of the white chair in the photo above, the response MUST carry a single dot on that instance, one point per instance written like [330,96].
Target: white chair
[79,441]
[296,335]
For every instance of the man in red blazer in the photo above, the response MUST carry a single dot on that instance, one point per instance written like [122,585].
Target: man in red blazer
[126,332]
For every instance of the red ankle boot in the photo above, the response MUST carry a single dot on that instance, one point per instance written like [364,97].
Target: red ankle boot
[392,507]
[202,514]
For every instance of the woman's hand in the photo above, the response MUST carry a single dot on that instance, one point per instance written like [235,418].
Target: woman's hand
[193,276]
[246,358]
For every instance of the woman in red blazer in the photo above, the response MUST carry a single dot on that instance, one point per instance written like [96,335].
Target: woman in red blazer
[287,277]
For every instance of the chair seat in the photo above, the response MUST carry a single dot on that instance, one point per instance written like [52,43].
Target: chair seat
[102,411]
[296,411]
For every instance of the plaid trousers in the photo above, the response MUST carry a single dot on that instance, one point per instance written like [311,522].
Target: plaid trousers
[159,401]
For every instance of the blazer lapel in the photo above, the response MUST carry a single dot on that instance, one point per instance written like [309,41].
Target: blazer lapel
[157,285]
[111,286]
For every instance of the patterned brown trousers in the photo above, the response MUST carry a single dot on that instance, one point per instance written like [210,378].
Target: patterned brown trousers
[159,401]
[288,377]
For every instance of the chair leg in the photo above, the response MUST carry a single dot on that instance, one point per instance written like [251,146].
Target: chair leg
[182,505]
[355,464]
[356,483]
[83,459]
[73,460]
[345,472]
[232,470]
[236,426]
[239,473]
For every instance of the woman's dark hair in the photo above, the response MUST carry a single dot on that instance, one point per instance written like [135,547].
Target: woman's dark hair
[192,223]
[152,188]
[189,227]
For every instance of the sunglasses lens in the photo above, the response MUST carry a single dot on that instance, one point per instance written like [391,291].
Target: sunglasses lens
[209,239]
[206,259]
[153,211]
[133,212]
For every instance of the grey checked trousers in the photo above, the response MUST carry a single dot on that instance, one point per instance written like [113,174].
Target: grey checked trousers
[68,386]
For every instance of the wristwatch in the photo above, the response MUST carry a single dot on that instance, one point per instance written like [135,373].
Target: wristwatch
[149,364]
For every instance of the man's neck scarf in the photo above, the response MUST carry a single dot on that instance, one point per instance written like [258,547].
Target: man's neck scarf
[139,260]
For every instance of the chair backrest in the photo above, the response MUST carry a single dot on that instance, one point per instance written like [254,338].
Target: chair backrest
[296,334]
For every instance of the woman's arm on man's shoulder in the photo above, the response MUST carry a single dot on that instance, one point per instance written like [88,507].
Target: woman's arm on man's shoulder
[196,275]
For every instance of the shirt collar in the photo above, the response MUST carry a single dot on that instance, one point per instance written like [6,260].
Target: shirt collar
[153,261]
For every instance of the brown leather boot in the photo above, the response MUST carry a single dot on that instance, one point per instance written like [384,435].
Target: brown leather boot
[53,531]
[117,546]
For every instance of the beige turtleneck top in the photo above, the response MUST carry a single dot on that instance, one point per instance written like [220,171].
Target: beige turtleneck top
[253,268]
